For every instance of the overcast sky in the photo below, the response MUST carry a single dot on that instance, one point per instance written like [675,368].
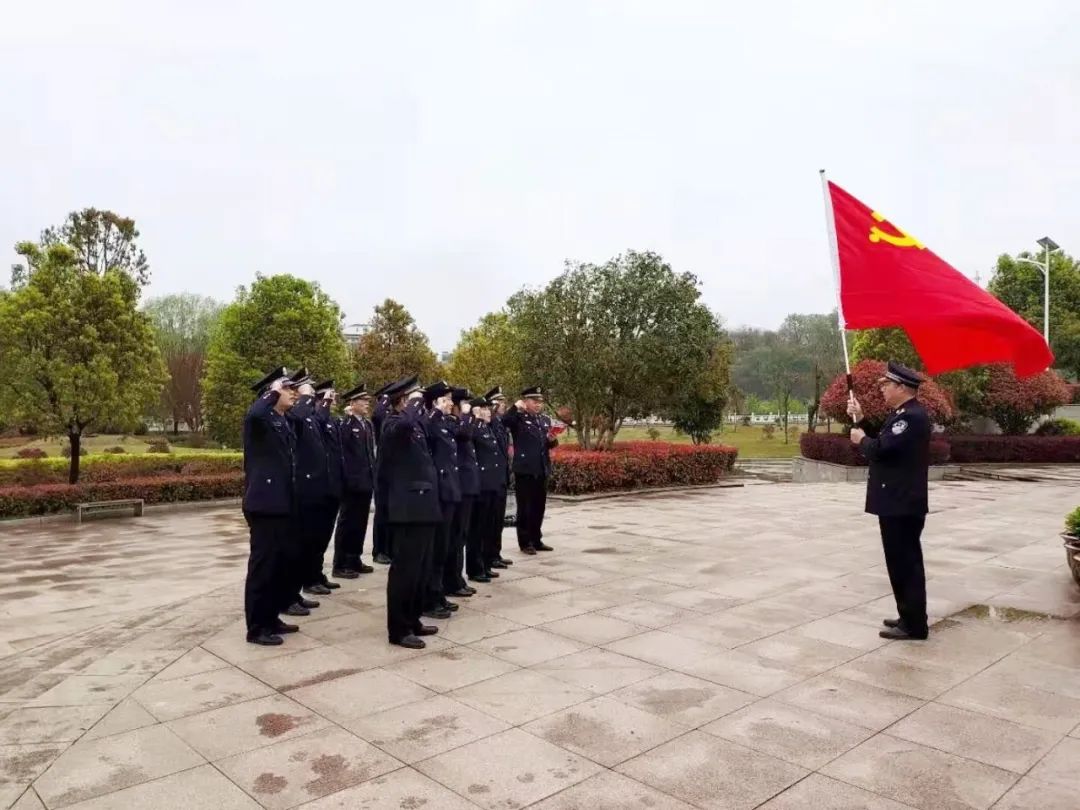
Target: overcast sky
[447,153]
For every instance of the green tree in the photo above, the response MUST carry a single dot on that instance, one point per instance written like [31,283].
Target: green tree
[625,338]
[817,339]
[75,352]
[782,366]
[884,344]
[280,320]
[393,347]
[100,240]
[699,413]
[1020,286]
[487,355]
[182,327]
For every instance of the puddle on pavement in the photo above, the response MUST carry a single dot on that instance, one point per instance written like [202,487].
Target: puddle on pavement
[1006,615]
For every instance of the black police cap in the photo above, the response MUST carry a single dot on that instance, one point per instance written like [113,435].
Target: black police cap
[403,387]
[358,392]
[903,375]
[270,379]
[494,394]
[536,392]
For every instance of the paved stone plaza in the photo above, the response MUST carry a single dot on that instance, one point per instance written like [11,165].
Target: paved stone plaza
[711,649]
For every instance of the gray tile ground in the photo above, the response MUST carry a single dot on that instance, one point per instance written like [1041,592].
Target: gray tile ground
[712,649]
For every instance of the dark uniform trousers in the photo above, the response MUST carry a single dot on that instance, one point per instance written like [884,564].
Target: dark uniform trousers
[323,518]
[900,538]
[498,520]
[440,558]
[458,538]
[380,533]
[406,585]
[476,559]
[351,531]
[531,495]
[275,551]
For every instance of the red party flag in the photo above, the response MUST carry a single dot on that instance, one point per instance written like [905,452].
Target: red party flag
[887,277]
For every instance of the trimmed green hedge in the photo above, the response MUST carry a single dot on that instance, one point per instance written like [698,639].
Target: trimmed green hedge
[104,467]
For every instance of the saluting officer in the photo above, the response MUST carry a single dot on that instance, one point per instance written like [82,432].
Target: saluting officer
[533,441]
[469,473]
[268,508]
[380,535]
[413,513]
[442,439]
[492,461]
[498,409]
[357,437]
[326,517]
[899,456]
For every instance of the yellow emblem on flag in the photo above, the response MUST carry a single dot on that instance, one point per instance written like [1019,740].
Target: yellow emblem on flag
[903,240]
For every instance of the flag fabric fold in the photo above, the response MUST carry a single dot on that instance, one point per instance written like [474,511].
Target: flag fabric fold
[889,278]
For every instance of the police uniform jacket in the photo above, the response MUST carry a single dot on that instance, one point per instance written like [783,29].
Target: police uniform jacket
[378,419]
[502,436]
[442,439]
[468,469]
[357,437]
[312,481]
[490,457]
[407,469]
[532,446]
[268,458]
[335,464]
[899,457]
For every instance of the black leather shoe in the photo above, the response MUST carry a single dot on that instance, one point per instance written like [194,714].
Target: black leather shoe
[309,603]
[470,589]
[318,589]
[530,551]
[326,583]
[480,579]
[345,573]
[364,568]
[542,547]
[281,627]
[265,638]
[491,575]
[296,609]
[464,594]
[412,642]
[426,630]
[497,564]
[438,613]
[900,634]
[381,559]
[891,623]
[451,607]
[505,561]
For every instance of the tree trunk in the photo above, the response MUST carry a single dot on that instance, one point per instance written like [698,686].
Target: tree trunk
[75,440]
[175,426]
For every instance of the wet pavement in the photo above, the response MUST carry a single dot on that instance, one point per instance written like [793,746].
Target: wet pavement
[710,649]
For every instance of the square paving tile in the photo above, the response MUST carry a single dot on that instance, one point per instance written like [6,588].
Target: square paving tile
[817,792]
[711,773]
[857,703]
[295,771]
[127,716]
[1059,767]
[28,801]
[245,726]
[170,700]
[96,767]
[307,668]
[539,611]
[194,662]
[529,646]
[202,788]
[649,614]
[467,627]
[1009,699]
[378,652]
[345,699]
[986,739]
[46,724]
[343,628]
[78,690]
[599,671]
[511,769]
[847,630]
[804,656]
[663,649]
[920,776]
[605,730]
[688,701]
[611,791]
[21,764]
[451,669]
[742,671]
[133,662]
[1030,794]
[921,680]
[423,729]
[593,629]
[403,789]
[521,696]
[789,733]
[230,645]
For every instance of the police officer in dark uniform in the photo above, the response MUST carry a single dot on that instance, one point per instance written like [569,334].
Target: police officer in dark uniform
[268,508]
[380,536]
[899,457]
[442,429]
[492,461]
[413,512]
[472,516]
[498,409]
[533,441]
[357,438]
[325,397]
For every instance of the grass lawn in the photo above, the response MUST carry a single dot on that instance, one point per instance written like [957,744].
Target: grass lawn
[750,441]
[96,444]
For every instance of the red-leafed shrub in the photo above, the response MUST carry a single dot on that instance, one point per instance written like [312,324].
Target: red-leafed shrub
[31,452]
[834,401]
[837,448]
[51,498]
[633,465]
[1015,449]
[1017,404]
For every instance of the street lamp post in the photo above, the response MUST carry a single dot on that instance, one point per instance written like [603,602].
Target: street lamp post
[1049,246]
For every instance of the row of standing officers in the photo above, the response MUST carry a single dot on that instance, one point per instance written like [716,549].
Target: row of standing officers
[436,464]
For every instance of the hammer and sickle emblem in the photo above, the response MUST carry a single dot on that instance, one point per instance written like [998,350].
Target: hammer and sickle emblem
[904,239]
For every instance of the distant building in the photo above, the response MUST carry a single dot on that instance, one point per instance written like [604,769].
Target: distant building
[444,357]
[353,332]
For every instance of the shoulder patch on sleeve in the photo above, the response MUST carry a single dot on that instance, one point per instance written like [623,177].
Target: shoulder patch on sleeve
[899,426]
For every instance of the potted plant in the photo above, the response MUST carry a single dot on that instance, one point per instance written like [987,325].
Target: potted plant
[1071,536]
